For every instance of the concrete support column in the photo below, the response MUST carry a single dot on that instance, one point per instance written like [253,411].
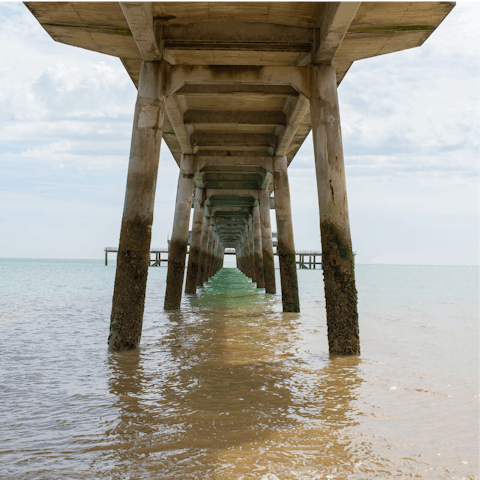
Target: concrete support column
[252,248]
[218,260]
[337,254]
[239,250]
[179,240]
[211,240]
[286,246]
[203,250]
[133,256]
[248,250]
[267,244]
[195,243]
[213,255]
[258,247]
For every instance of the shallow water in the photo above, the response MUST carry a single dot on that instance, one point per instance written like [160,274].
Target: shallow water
[232,388]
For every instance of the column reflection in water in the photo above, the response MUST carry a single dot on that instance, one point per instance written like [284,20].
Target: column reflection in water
[223,392]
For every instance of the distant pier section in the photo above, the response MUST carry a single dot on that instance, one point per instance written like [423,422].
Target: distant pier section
[305,259]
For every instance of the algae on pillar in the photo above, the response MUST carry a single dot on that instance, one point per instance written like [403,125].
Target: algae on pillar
[179,240]
[133,257]
[337,254]
[286,246]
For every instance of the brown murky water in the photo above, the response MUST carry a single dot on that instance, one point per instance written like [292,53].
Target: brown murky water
[232,388]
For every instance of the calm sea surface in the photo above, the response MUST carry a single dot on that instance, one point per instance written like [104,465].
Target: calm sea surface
[232,388]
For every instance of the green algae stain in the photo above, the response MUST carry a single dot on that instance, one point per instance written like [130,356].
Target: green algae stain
[332,236]
[391,29]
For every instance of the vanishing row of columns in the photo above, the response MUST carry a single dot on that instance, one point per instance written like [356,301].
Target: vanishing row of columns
[255,253]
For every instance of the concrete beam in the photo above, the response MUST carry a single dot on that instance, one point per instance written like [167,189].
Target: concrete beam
[140,20]
[231,140]
[236,32]
[296,77]
[203,161]
[333,26]
[295,119]
[250,90]
[176,119]
[231,193]
[222,117]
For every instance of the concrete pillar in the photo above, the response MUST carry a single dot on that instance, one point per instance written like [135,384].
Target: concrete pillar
[134,249]
[337,255]
[213,252]
[239,255]
[179,240]
[267,244]
[251,249]
[286,246]
[203,250]
[195,243]
[258,247]
[208,257]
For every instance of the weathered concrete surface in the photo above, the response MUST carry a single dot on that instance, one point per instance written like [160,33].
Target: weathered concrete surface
[196,243]
[251,250]
[337,254]
[135,235]
[267,244]
[208,256]
[203,250]
[286,245]
[179,240]
[259,274]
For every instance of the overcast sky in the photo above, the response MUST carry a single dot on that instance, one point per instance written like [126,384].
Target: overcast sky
[410,123]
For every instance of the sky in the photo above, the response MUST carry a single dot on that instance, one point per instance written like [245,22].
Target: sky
[410,126]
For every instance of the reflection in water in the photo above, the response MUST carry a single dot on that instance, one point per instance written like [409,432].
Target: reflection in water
[224,394]
[231,388]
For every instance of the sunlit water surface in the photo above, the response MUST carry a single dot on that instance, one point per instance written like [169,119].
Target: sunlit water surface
[232,388]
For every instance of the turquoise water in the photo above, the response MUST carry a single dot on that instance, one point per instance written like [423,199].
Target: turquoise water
[230,387]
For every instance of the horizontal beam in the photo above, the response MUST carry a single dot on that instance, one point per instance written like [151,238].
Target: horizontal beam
[296,77]
[234,32]
[238,47]
[222,117]
[263,91]
[228,140]
[202,161]
[231,193]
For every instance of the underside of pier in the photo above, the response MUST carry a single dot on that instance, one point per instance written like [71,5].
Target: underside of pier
[234,89]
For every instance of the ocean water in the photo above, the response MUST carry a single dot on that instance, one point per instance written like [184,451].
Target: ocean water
[229,387]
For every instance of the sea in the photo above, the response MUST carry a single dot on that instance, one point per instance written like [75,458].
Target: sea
[230,387]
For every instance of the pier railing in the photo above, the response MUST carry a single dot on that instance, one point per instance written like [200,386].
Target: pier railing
[305,259]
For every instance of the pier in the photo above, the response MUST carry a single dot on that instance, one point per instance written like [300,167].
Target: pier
[234,89]
[304,259]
